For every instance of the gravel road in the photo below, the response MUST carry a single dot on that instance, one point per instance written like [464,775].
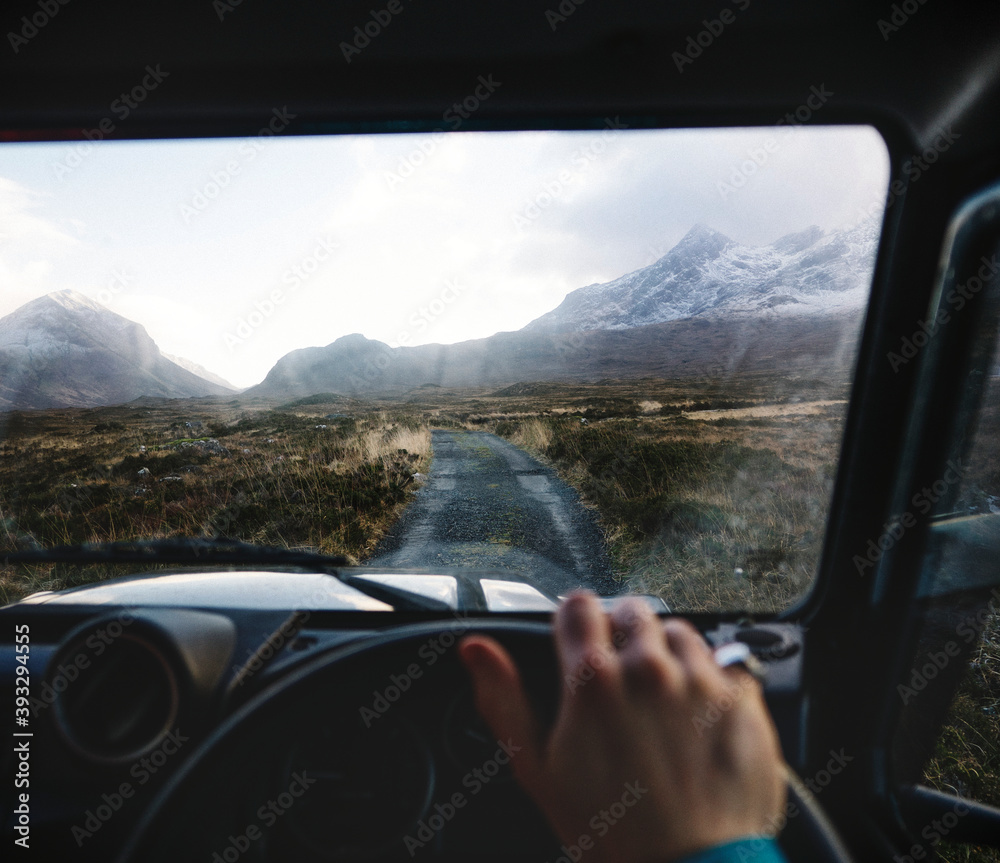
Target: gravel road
[489,505]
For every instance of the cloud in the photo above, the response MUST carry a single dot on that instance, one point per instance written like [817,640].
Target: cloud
[29,246]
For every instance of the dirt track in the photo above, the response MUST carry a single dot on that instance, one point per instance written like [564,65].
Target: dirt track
[489,505]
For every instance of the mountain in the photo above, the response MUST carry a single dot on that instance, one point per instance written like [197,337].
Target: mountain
[65,350]
[708,274]
[709,307]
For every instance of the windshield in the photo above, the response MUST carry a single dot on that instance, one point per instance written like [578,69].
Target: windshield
[615,358]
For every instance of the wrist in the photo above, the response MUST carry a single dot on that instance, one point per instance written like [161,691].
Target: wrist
[751,849]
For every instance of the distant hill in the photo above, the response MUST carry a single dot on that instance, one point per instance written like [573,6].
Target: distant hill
[65,350]
[793,346]
[707,275]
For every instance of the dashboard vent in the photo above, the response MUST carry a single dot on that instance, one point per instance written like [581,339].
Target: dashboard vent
[123,697]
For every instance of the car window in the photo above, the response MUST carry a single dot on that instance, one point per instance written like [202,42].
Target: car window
[965,611]
[947,694]
[620,356]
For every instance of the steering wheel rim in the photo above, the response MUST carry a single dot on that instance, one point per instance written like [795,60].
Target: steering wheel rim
[219,756]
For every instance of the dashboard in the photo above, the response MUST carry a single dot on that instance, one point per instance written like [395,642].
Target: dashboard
[234,732]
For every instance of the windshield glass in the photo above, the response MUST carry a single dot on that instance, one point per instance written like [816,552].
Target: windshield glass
[616,358]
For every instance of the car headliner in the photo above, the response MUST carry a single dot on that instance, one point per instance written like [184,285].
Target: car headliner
[233,60]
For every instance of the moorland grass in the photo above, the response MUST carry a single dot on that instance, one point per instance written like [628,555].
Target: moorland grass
[269,477]
[706,520]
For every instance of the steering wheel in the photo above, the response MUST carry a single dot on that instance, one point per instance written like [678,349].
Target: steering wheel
[374,752]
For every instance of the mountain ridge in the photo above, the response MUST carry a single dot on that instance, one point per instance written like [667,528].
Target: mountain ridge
[708,273]
[66,350]
[799,346]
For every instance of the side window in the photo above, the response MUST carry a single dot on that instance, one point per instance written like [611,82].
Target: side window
[947,740]
[965,758]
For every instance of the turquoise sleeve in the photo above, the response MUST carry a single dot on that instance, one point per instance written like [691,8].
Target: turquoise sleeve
[751,850]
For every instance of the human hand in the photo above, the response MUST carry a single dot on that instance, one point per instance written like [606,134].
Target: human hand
[628,772]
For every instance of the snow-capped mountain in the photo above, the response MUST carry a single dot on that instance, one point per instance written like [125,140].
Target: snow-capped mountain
[708,274]
[65,350]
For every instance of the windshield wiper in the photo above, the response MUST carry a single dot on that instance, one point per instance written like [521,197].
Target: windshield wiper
[193,551]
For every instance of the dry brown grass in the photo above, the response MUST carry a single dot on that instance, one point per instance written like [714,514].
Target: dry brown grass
[533,435]
[383,445]
[714,509]
[286,478]
[744,482]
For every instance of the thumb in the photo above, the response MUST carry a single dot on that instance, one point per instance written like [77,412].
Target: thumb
[503,703]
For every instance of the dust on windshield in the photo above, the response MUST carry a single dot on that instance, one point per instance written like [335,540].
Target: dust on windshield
[614,358]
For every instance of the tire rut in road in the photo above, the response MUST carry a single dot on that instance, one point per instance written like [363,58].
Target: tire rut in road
[489,505]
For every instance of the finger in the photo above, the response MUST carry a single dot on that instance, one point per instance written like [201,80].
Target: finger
[646,663]
[583,642]
[688,647]
[693,655]
[502,701]
[637,628]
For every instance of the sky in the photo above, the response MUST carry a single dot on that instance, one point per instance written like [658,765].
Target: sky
[233,252]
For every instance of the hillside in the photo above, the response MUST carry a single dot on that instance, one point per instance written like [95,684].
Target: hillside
[65,350]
